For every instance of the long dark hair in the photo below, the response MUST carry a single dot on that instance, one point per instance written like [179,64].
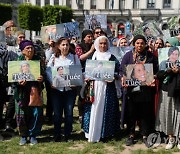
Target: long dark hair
[57,50]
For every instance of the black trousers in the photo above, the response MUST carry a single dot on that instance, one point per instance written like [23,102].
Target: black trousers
[10,111]
[49,109]
[140,109]
[2,100]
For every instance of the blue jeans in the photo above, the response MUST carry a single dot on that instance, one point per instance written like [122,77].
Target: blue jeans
[63,101]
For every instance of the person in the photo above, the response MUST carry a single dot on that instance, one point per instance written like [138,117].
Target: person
[101,118]
[63,98]
[139,72]
[84,51]
[13,53]
[97,32]
[3,81]
[122,42]
[10,40]
[48,53]
[159,43]
[28,116]
[139,100]
[167,119]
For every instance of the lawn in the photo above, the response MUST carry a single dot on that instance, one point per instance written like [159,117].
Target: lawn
[79,145]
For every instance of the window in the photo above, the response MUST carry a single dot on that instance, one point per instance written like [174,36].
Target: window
[167,4]
[121,4]
[80,4]
[150,3]
[47,2]
[38,2]
[68,3]
[109,4]
[56,2]
[135,4]
[93,4]
[27,1]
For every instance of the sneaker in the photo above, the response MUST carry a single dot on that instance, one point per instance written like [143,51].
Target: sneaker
[170,144]
[130,141]
[23,141]
[146,142]
[178,146]
[57,138]
[33,141]
[1,138]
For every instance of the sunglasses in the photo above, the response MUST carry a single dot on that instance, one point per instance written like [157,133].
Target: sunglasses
[99,32]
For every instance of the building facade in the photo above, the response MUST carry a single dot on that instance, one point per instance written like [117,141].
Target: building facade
[119,12]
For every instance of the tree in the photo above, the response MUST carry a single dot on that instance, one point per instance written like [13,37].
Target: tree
[30,17]
[51,14]
[5,13]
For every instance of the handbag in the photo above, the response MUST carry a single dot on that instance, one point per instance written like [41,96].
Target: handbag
[35,97]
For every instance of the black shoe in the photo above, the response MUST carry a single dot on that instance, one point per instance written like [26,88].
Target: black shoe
[57,138]
[130,141]
[9,128]
[68,139]
[146,142]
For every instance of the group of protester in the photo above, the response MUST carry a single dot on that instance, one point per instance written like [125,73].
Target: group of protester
[154,107]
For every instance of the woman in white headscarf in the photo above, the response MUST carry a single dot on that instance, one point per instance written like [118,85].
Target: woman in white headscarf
[102,117]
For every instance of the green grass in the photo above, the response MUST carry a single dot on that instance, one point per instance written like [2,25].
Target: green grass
[79,146]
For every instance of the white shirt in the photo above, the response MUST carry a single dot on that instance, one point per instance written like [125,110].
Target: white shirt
[70,59]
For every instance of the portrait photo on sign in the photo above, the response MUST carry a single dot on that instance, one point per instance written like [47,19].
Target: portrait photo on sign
[93,21]
[99,70]
[168,57]
[64,76]
[23,70]
[119,52]
[49,33]
[139,74]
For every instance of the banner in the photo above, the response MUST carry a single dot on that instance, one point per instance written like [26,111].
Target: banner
[93,21]
[149,30]
[54,32]
[139,74]
[64,76]
[119,52]
[23,70]
[99,70]
[167,57]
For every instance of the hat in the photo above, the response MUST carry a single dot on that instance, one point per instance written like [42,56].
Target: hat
[138,37]
[173,41]
[25,43]
[19,33]
[86,32]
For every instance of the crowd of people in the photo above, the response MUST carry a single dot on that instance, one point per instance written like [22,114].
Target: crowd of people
[153,107]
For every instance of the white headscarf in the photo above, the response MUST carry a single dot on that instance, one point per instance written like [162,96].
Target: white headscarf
[98,55]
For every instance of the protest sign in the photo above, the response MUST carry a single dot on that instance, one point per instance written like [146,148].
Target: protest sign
[167,57]
[99,70]
[139,74]
[23,70]
[93,21]
[119,52]
[64,76]
[54,32]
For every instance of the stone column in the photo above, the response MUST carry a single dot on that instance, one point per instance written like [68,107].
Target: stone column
[42,3]
[51,2]
[74,5]
[159,4]
[100,4]
[142,4]
[116,4]
[87,4]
